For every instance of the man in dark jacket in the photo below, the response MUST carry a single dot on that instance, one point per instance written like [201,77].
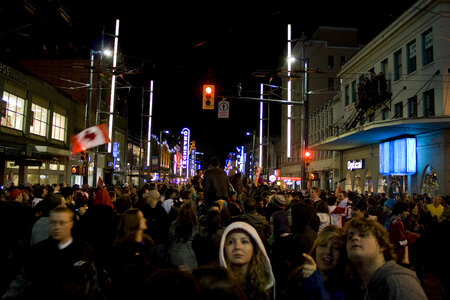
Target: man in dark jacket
[59,267]
[215,183]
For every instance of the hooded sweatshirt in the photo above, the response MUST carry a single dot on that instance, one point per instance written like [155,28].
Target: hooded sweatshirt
[393,281]
[250,230]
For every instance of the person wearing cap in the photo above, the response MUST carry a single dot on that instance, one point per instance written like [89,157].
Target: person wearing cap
[276,203]
[243,253]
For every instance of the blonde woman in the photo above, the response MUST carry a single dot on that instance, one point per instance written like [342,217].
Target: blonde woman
[242,252]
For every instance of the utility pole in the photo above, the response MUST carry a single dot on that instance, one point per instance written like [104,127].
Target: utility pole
[305,119]
[140,140]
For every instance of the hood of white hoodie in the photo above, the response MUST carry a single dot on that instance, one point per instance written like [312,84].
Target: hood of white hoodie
[254,234]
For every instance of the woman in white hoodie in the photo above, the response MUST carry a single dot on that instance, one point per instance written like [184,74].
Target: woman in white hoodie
[243,253]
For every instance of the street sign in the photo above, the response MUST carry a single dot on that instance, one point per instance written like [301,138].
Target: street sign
[223,111]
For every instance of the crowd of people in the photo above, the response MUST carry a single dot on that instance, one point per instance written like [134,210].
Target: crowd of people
[219,236]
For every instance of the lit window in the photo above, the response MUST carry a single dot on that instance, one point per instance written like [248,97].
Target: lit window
[12,111]
[38,120]
[59,127]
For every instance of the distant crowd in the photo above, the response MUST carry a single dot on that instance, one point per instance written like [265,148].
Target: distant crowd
[219,236]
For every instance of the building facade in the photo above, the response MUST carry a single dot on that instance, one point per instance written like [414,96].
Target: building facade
[36,124]
[399,129]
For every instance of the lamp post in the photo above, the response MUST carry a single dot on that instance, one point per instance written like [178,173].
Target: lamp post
[160,149]
[92,54]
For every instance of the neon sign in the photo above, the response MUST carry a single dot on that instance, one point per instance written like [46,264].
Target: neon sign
[186,133]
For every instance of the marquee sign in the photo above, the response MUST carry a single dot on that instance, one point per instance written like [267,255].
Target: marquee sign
[186,133]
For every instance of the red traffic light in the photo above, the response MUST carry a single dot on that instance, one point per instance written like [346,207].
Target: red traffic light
[307,154]
[208,96]
[74,170]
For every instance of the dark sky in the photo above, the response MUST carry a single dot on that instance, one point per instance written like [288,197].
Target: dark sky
[182,46]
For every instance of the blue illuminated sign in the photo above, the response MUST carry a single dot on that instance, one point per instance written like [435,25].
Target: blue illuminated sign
[398,157]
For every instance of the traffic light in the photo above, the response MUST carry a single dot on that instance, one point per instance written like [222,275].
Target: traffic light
[307,157]
[208,96]
[77,170]
[314,176]
[83,156]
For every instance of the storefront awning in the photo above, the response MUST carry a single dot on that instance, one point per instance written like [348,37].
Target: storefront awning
[375,133]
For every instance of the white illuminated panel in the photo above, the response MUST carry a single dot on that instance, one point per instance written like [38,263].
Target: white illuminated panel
[261,113]
[113,87]
[149,133]
[289,95]
[398,157]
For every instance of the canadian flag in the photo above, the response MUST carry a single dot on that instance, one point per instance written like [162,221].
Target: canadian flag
[89,138]
[100,182]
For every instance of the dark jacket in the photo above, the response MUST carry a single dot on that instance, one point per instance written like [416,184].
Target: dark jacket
[215,185]
[51,273]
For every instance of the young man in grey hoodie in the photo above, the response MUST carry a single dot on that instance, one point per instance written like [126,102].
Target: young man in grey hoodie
[372,256]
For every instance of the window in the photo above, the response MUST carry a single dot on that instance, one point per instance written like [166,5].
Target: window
[398,110]
[412,107]
[346,96]
[330,61]
[354,96]
[13,111]
[427,47]
[428,103]
[331,84]
[411,53]
[343,60]
[59,127]
[398,65]
[38,120]
[385,113]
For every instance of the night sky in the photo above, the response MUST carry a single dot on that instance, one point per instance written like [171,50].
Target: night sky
[182,46]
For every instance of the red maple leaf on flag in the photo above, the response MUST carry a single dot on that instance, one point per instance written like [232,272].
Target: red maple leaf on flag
[89,138]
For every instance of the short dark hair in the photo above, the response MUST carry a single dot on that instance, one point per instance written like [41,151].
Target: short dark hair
[399,207]
[67,191]
[250,204]
[214,162]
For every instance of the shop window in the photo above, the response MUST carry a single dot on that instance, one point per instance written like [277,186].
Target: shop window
[53,167]
[12,114]
[38,118]
[11,165]
[59,127]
